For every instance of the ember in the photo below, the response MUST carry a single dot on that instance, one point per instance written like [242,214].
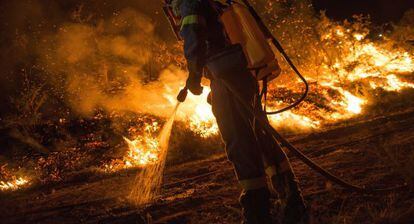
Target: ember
[395,84]
[13,184]
[358,60]
[89,87]
[351,59]
[148,182]
[9,181]
[301,121]
[142,150]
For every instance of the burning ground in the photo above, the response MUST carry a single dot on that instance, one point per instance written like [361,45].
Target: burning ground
[93,87]
[373,152]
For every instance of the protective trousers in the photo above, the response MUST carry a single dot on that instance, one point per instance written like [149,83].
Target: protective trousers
[252,152]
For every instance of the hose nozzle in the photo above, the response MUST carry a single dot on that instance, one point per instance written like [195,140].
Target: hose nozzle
[182,95]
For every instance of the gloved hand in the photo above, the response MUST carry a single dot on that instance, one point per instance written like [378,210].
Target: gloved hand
[194,84]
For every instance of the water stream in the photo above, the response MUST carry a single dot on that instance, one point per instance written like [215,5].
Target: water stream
[148,182]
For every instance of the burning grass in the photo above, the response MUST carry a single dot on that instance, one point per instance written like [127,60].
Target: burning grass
[202,120]
[10,181]
[350,83]
[14,184]
[142,150]
[346,64]
[118,90]
[148,181]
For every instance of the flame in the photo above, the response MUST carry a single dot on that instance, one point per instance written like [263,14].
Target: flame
[144,149]
[280,120]
[203,121]
[358,36]
[350,68]
[198,114]
[395,84]
[377,62]
[359,59]
[351,104]
[14,184]
[141,151]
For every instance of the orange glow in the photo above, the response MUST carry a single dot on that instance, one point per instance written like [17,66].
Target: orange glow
[348,70]
[14,184]
[202,120]
[141,151]
[300,121]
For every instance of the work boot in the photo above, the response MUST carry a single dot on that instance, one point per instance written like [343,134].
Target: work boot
[280,187]
[295,209]
[256,206]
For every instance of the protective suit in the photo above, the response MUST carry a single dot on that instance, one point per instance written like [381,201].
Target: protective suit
[256,157]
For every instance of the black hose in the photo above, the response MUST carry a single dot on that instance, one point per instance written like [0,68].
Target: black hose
[277,137]
[305,93]
[309,162]
[279,47]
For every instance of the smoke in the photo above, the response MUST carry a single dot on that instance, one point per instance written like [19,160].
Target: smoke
[88,58]
[114,56]
[105,65]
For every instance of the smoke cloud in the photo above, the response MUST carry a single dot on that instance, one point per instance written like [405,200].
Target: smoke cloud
[88,61]
[105,66]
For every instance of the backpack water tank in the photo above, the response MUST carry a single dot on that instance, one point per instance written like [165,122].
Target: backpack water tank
[242,28]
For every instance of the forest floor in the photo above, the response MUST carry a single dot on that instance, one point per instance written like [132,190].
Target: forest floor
[377,152]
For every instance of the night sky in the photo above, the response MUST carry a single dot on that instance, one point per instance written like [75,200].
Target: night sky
[380,10]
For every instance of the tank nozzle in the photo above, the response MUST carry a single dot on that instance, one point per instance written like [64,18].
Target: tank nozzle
[182,95]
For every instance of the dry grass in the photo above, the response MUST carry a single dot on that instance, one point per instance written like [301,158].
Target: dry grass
[392,208]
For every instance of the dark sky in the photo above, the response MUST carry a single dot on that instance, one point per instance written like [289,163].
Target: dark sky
[380,10]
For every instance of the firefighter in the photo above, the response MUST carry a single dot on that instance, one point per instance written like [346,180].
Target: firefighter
[254,154]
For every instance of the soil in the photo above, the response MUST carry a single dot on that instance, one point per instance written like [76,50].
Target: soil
[206,191]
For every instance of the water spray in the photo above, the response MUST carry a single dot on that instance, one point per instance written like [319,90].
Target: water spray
[147,184]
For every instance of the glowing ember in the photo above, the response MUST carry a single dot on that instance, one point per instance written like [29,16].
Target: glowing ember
[358,36]
[349,67]
[142,151]
[301,121]
[395,84]
[346,106]
[14,184]
[147,183]
[353,103]
[356,59]
[350,102]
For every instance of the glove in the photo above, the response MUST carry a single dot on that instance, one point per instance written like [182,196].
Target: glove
[194,84]
[209,98]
